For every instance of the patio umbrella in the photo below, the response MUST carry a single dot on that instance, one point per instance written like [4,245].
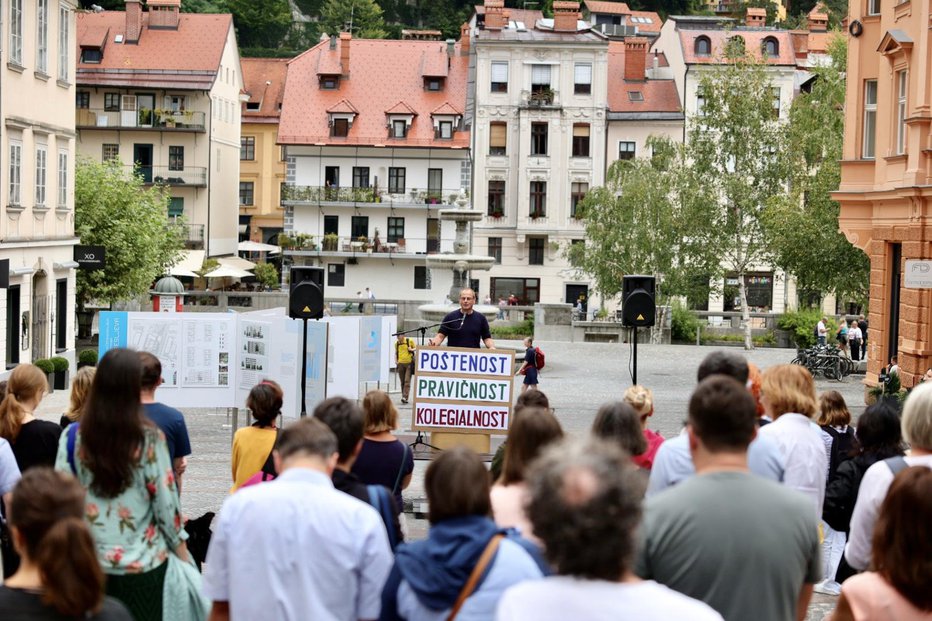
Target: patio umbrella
[251,246]
[236,262]
[226,271]
[189,262]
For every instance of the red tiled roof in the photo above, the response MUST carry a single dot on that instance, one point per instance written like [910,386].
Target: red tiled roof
[659,95]
[433,65]
[401,108]
[95,36]
[384,74]
[752,41]
[343,106]
[611,8]
[655,22]
[195,47]
[264,80]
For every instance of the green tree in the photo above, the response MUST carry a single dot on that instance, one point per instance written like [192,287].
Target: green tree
[204,6]
[803,222]
[260,24]
[641,193]
[114,210]
[362,18]
[731,161]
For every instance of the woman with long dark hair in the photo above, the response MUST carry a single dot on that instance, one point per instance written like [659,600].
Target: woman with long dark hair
[132,500]
[59,575]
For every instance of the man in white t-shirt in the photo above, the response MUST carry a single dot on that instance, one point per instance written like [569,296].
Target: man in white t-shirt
[585,505]
[821,331]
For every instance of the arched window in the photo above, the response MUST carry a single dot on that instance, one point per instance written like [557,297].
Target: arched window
[703,46]
[771,47]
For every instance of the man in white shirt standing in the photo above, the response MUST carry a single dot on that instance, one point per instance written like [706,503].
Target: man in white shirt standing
[821,331]
[296,548]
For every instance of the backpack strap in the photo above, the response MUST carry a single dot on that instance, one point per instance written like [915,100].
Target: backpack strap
[72,438]
[477,572]
[896,464]
[401,468]
[268,468]
[379,498]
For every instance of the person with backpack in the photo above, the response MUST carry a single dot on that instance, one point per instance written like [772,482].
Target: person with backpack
[533,362]
[346,421]
[252,446]
[840,445]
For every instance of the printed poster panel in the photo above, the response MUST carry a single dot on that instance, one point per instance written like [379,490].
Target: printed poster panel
[316,377]
[370,349]
[254,343]
[464,390]
[207,347]
[160,336]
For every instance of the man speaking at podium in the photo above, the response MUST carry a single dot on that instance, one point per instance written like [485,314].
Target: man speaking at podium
[464,327]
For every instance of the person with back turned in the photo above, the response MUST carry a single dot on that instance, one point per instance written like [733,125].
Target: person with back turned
[464,327]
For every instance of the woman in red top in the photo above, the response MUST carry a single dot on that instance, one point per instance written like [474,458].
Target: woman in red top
[641,399]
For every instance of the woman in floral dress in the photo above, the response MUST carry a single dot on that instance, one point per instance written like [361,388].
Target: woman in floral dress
[132,503]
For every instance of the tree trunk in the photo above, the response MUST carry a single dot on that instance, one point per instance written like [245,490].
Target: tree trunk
[745,312]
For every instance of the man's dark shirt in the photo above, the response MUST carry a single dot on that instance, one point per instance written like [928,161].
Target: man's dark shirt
[349,483]
[862,324]
[474,330]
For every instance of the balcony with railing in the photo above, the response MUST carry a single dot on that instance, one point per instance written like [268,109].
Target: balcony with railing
[144,118]
[190,176]
[192,234]
[371,196]
[364,247]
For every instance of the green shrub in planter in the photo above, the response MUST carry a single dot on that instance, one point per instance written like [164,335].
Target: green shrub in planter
[87,358]
[60,376]
[45,365]
[59,363]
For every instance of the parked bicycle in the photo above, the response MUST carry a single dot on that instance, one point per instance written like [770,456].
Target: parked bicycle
[826,360]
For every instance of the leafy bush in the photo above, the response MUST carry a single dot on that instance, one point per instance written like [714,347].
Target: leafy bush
[45,365]
[802,324]
[683,324]
[59,363]
[519,331]
[88,356]
[266,274]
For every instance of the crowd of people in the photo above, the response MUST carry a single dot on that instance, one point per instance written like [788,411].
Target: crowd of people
[770,492]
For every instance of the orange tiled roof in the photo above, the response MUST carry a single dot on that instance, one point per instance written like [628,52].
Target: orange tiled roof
[383,75]
[611,8]
[752,41]
[95,36]
[162,57]
[659,95]
[401,108]
[433,65]
[655,22]
[264,80]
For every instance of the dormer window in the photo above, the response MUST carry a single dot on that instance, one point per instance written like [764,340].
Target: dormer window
[253,106]
[399,129]
[433,84]
[771,47]
[340,128]
[91,55]
[703,46]
[445,130]
[329,82]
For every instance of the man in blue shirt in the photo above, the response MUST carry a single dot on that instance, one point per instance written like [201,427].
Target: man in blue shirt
[295,548]
[464,327]
[168,419]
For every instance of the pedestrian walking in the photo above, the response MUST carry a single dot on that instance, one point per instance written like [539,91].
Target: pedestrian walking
[585,504]
[529,367]
[120,457]
[59,576]
[404,364]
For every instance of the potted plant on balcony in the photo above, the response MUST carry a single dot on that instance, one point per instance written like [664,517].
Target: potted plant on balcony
[286,241]
[331,242]
[60,366]
[45,365]
[497,212]
[541,97]
[364,241]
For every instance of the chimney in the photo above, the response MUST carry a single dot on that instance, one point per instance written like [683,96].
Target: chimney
[565,16]
[333,42]
[756,18]
[494,14]
[345,39]
[818,22]
[635,59]
[451,47]
[464,39]
[133,21]
[164,14]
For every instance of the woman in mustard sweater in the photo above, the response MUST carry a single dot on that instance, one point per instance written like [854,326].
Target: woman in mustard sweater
[252,445]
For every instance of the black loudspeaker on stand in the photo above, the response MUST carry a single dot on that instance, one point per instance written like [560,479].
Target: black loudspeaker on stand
[639,309]
[306,301]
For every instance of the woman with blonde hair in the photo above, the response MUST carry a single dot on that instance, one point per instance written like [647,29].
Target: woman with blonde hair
[384,459]
[59,576]
[34,442]
[789,398]
[641,400]
[80,386]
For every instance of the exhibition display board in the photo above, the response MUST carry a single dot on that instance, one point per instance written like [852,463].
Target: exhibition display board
[462,390]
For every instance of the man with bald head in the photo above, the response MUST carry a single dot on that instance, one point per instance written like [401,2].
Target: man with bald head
[464,327]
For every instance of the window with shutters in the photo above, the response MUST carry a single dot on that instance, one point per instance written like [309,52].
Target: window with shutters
[540,78]
[499,82]
[582,79]
[580,140]
[498,138]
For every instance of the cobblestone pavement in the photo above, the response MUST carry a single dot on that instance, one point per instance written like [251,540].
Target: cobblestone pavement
[579,377]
